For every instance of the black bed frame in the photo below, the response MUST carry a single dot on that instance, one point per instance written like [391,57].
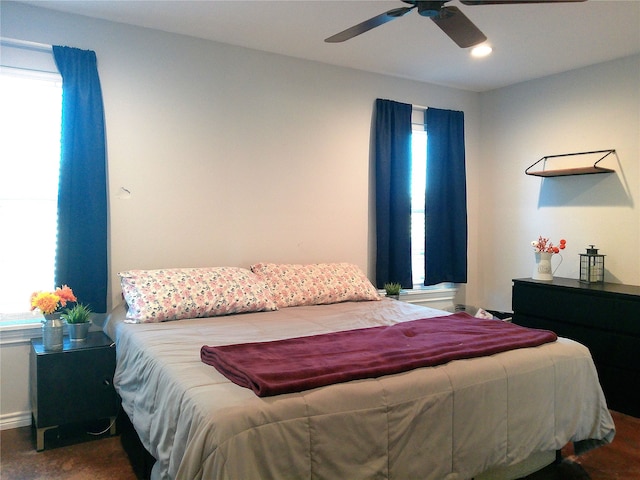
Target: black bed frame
[141,460]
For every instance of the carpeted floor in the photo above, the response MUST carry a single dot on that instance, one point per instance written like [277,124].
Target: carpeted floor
[70,454]
[621,459]
[74,455]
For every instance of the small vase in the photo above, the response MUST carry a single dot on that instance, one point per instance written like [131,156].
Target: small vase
[542,269]
[52,332]
[78,331]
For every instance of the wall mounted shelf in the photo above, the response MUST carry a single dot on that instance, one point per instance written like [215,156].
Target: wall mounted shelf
[563,172]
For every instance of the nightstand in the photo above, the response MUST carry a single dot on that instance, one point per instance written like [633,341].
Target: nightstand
[72,385]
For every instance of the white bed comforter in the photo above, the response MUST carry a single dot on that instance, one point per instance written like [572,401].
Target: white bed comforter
[448,422]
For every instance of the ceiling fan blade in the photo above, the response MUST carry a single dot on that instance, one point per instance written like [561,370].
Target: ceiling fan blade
[458,27]
[507,2]
[368,24]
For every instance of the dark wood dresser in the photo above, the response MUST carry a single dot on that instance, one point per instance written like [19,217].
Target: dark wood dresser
[604,317]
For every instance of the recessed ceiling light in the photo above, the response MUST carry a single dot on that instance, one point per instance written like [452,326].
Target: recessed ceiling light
[481,50]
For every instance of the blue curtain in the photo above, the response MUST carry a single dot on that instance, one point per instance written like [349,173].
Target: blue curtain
[393,192]
[446,198]
[81,256]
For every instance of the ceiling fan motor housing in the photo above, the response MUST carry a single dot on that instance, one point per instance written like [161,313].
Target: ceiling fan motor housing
[429,9]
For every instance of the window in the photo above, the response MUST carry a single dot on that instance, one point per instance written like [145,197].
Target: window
[30,124]
[406,237]
[418,188]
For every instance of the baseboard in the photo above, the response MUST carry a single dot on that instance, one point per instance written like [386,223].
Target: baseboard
[15,420]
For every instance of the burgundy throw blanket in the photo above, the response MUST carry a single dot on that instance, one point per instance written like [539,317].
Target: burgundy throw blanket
[302,363]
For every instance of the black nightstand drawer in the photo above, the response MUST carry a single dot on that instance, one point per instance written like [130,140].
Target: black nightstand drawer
[607,348]
[72,385]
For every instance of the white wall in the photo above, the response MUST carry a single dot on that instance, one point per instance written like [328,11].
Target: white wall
[15,410]
[593,108]
[232,156]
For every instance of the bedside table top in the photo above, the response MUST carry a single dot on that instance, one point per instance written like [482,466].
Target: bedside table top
[94,340]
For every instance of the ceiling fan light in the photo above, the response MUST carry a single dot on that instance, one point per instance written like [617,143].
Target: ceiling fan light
[482,50]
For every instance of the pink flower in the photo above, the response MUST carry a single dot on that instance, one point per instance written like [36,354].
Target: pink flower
[544,245]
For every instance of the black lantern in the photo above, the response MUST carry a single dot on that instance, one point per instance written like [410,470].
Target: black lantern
[591,266]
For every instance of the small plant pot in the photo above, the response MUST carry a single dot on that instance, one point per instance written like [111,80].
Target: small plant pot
[52,332]
[78,331]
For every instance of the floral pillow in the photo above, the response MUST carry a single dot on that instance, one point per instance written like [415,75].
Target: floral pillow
[173,294]
[316,284]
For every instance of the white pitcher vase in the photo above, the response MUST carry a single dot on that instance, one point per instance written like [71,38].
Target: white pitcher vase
[542,270]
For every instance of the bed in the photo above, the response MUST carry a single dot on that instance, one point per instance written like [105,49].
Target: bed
[497,416]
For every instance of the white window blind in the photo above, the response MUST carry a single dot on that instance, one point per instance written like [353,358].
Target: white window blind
[30,122]
[418,189]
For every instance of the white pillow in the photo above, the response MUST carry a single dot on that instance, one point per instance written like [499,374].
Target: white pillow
[177,293]
[315,284]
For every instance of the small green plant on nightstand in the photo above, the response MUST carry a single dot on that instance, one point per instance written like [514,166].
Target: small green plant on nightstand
[392,289]
[78,314]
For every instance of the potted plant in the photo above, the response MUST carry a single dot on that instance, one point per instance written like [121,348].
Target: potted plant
[50,304]
[393,290]
[78,321]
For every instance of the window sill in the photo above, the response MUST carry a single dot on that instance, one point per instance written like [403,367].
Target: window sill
[20,333]
[437,296]
[22,327]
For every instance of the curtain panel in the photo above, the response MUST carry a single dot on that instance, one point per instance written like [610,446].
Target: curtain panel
[81,255]
[393,192]
[446,198]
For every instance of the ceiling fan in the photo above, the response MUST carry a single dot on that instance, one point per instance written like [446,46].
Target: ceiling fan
[450,19]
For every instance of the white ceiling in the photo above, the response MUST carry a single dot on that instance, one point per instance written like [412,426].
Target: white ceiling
[529,41]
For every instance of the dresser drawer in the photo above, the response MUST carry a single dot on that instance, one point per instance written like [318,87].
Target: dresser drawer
[589,308]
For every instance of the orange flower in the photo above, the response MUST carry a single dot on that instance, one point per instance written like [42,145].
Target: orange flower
[50,302]
[46,302]
[66,295]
